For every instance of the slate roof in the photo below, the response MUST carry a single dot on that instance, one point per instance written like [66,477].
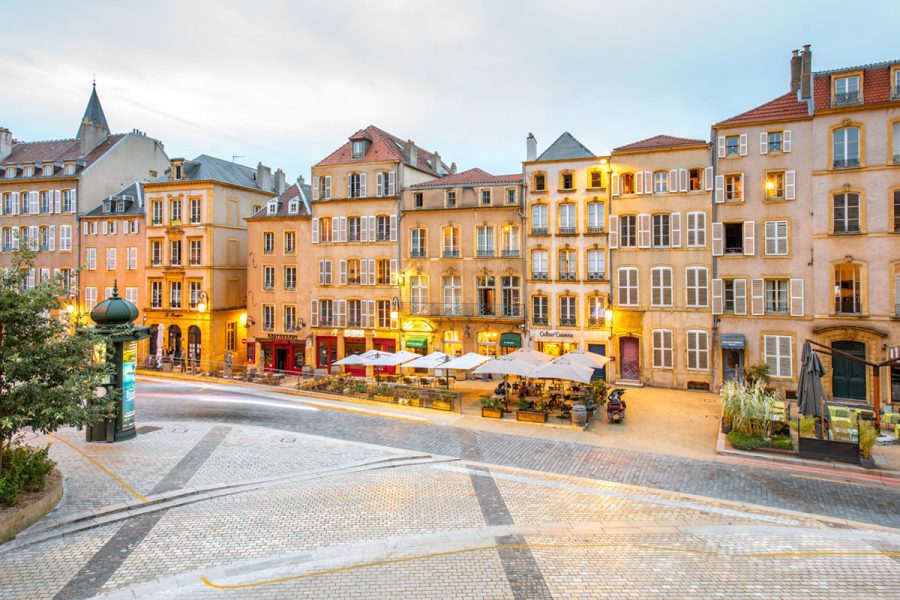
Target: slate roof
[384,146]
[565,147]
[295,191]
[133,195]
[94,112]
[206,167]
[470,177]
[659,141]
[58,151]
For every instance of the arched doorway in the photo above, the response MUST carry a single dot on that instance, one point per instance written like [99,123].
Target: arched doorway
[848,377]
[175,343]
[194,345]
[154,339]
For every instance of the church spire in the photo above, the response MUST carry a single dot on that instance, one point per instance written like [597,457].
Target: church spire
[94,128]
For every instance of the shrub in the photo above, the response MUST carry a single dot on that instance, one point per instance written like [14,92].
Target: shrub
[867,438]
[782,442]
[743,441]
[357,387]
[758,373]
[748,409]
[384,390]
[807,427]
[596,390]
[489,402]
[25,469]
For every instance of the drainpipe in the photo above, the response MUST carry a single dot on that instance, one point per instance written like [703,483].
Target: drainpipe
[715,341]
[524,265]
[610,350]
[399,209]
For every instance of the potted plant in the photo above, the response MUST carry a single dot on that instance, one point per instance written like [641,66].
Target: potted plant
[491,408]
[357,387]
[443,401]
[867,438]
[527,414]
[384,393]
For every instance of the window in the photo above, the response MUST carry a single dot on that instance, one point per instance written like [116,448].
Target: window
[383,184]
[775,185]
[695,180]
[511,195]
[778,355]
[290,278]
[485,239]
[660,182]
[595,217]
[156,294]
[567,311]
[353,271]
[846,147]
[326,229]
[567,181]
[269,242]
[486,343]
[628,286]
[175,253]
[175,212]
[567,265]
[732,145]
[90,297]
[418,294]
[776,296]
[290,317]
[539,219]
[382,228]
[539,310]
[734,238]
[383,271]
[268,278]
[596,311]
[734,296]
[774,141]
[194,293]
[157,213]
[231,336]
[324,188]
[417,246]
[355,187]
[195,211]
[45,238]
[539,182]
[696,229]
[383,310]
[131,259]
[452,344]
[485,197]
[358,149]
[596,268]
[290,242]
[510,298]
[91,259]
[354,229]
[696,280]
[45,202]
[110,259]
[175,294]
[539,267]
[567,224]
[627,183]
[324,272]
[131,294]
[29,170]
[595,179]
[484,292]
[10,172]
[133,227]
[155,252]
[268,320]
[847,289]
[418,200]
[452,294]
[846,90]
[354,313]
[776,238]
[65,237]
[661,231]
[509,241]
[897,208]
[450,199]
[846,213]
[662,349]
[697,350]
[450,242]
[326,313]
[627,231]
[661,286]
[734,187]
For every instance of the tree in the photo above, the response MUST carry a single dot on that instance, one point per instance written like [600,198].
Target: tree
[48,376]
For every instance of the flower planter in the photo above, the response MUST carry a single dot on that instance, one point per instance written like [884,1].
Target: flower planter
[725,428]
[847,452]
[384,398]
[492,413]
[867,463]
[531,416]
[442,405]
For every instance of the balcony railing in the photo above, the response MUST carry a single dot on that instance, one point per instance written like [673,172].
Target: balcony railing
[596,276]
[538,231]
[484,253]
[353,281]
[595,229]
[567,322]
[417,254]
[846,163]
[450,253]
[845,98]
[596,322]
[540,276]
[542,321]
[511,253]
[567,276]
[326,321]
[175,304]
[568,231]
[462,309]
[354,321]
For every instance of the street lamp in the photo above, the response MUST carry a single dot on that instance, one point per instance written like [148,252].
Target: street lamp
[202,300]
[395,308]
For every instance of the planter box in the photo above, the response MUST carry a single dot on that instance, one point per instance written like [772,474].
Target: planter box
[384,398]
[442,405]
[531,416]
[846,452]
[492,413]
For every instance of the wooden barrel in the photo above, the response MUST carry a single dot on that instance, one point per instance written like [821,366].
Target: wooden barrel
[579,415]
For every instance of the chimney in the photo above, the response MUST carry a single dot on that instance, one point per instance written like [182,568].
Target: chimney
[530,148]
[263,177]
[806,73]
[412,155]
[300,181]
[279,181]
[5,143]
[795,71]
[453,168]
[436,162]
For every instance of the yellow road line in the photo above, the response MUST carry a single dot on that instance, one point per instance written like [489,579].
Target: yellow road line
[826,479]
[114,477]
[393,561]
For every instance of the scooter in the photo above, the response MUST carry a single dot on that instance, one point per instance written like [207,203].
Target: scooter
[615,406]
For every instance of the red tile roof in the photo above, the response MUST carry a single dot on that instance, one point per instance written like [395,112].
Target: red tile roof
[782,107]
[384,147]
[876,82]
[58,151]
[471,177]
[659,141]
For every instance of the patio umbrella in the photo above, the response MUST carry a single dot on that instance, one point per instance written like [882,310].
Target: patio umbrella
[386,359]
[531,356]
[435,360]
[508,365]
[466,361]
[810,393]
[351,360]
[563,368]
[585,358]
[159,344]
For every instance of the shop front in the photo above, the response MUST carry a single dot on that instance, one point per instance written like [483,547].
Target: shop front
[284,354]
[732,357]
[554,342]
[326,352]
[354,343]
[385,345]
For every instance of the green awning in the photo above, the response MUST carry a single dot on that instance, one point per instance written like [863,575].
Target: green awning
[510,340]
[416,342]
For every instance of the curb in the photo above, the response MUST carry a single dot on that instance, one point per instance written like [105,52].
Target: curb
[23,518]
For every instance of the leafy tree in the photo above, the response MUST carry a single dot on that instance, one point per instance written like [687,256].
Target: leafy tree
[48,376]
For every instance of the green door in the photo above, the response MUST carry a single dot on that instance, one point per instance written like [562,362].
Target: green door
[848,377]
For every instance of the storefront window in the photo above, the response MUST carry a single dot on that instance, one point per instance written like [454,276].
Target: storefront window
[487,343]
[452,345]
[556,348]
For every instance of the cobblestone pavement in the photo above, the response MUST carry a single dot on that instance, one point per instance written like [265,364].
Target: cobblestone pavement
[458,529]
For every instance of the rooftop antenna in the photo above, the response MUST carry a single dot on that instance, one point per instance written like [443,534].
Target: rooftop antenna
[234,157]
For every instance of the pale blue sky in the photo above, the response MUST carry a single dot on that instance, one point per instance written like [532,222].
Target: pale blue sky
[286,83]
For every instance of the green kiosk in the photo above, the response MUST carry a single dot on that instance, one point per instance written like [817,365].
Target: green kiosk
[114,318]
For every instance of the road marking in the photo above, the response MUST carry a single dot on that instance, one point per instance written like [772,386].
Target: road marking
[114,477]
[761,463]
[392,561]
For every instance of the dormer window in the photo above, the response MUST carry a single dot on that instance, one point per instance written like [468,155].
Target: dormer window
[293,207]
[179,172]
[48,170]
[70,168]
[271,208]
[120,206]
[846,90]
[359,148]
[107,206]
[29,170]
[10,172]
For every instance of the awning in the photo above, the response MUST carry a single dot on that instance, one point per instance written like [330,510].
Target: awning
[733,341]
[416,342]
[510,340]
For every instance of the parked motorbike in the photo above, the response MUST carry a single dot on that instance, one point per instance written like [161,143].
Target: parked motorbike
[615,406]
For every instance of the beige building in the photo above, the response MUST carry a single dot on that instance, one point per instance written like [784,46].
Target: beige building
[196,257]
[355,304]
[279,277]
[568,287]
[661,263]
[463,265]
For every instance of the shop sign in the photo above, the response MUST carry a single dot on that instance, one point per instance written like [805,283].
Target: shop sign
[555,333]
[354,333]
[281,336]
[418,325]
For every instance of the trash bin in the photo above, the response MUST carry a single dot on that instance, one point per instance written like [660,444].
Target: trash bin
[579,415]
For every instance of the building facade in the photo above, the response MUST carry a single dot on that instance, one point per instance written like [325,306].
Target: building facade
[279,274]
[567,206]
[661,263]
[463,264]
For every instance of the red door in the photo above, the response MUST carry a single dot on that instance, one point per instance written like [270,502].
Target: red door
[385,346]
[326,352]
[629,352]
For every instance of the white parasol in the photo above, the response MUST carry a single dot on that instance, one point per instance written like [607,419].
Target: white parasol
[585,358]
[563,368]
[386,359]
[466,362]
[435,360]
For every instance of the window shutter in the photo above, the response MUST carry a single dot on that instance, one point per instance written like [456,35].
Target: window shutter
[379,183]
[785,356]
[104,227]
[328,187]
[644,230]
[362,185]
[339,313]
[372,274]
[718,242]
[363,229]
[613,231]
[342,229]
[790,187]
[321,272]
[682,180]
[393,266]
[314,313]
[797,309]
[708,179]
[749,238]
[740,296]
[343,270]
[667,287]
[675,229]
[392,183]
[15,206]
[656,287]
[757,297]
[721,146]
[371,319]
[657,348]
[349,185]
[615,184]
[315,230]
[57,201]
[315,188]
[764,143]
[34,242]
[363,272]
[717,296]
[51,241]
[786,141]
[74,201]
[639,182]
[720,189]
[770,229]
[648,182]
[372,236]
[743,144]
[673,180]
[393,228]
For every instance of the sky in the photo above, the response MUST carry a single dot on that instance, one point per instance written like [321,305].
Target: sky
[286,83]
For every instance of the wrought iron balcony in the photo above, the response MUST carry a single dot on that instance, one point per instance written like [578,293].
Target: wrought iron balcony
[542,321]
[327,321]
[595,229]
[596,276]
[845,98]
[511,253]
[567,277]
[540,276]
[846,163]
[353,281]
[596,322]
[450,253]
[567,322]
[461,309]
[484,253]
[417,253]
[568,231]
[538,231]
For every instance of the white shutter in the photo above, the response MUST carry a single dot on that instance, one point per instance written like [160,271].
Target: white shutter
[363,272]
[615,184]
[740,296]
[790,185]
[392,183]
[786,141]
[372,275]
[720,189]
[743,144]
[393,228]
[797,308]
[363,233]
[682,180]
[648,182]
[749,238]
[342,229]
[718,243]
[673,180]
[372,236]
[321,272]
[328,187]
[721,146]
[57,201]
[393,275]
[15,206]
[362,185]
[349,185]
[757,297]
[84,227]
[763,143]
[708,179]
[74,201]
[343,272]
[104,227]
[314,313]
[770,231]
[785,356]
[51,241]
[675,230]
[717,296]
[339,313]
[315,230]
[613,239]
[639,182]
[34,240]
[379,183]
[315,188]
[644,236]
